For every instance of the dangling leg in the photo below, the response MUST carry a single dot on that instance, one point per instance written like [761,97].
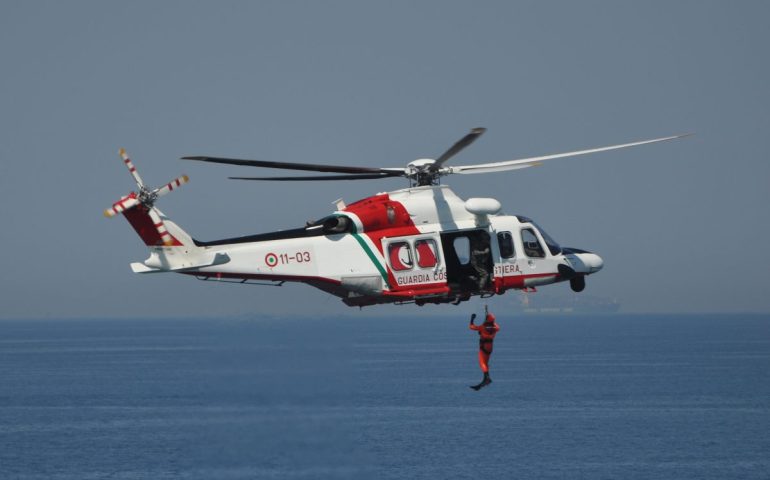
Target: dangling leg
[484,364]
[485,354]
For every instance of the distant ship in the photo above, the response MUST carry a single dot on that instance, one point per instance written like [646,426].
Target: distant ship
[532,303]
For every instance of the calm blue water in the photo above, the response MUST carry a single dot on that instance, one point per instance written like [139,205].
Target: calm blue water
[573,397]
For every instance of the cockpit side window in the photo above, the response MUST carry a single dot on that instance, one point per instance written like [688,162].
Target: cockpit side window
[505,242]
[532,247]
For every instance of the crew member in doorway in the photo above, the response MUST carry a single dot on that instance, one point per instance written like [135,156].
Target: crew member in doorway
[479,256]
[487,332]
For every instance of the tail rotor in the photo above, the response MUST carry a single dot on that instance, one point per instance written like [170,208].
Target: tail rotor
[146,198]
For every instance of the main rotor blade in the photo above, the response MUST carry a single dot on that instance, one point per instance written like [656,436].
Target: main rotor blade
[532,161]
[325,177]
[455,149]
[312,167]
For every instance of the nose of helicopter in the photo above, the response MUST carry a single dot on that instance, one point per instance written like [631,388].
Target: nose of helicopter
[582,261]
[593,261]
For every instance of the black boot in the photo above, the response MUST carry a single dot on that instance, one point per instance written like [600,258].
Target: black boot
[486,381]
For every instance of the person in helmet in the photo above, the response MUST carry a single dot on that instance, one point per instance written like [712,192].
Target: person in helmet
[487,332]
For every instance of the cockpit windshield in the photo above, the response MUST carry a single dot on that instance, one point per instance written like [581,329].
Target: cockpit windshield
[553,247]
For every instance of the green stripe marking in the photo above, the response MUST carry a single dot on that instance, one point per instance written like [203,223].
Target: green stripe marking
[369,253]
[372,257]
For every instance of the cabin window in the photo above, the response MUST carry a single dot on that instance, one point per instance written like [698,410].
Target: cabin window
[532,247]
[462,246]
[505,242]
[426,253]
[400,256]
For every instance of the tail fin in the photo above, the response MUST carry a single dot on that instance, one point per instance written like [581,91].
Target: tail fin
[153,234]
[179,254]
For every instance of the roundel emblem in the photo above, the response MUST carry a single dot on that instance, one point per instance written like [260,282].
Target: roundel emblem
[271,260]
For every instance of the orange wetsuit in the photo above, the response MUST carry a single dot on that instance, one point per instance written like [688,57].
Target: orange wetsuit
[487,332]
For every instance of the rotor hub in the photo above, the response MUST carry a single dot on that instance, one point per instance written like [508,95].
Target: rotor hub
[147,197]
[421,172]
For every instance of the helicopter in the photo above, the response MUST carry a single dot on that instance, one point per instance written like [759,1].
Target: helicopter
[422,244]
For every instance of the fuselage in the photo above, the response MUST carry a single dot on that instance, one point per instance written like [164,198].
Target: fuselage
[421,244]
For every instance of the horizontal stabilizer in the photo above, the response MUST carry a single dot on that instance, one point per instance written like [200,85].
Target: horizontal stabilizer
[156,264]
[139,267]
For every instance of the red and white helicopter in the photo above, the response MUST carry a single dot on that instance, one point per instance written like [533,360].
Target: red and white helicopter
[421,244]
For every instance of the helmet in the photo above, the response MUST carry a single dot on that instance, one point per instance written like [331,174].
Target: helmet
[490,317]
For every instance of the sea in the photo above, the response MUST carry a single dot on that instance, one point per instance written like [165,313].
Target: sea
[573,397]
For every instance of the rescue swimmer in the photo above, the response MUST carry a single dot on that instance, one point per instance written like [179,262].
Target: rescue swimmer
[487,332]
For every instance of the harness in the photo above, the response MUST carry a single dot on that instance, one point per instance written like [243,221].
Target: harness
[483,342]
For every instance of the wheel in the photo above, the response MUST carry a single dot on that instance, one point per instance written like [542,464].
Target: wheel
[578,283]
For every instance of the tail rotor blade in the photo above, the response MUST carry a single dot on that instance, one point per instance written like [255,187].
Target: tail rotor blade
[131,167]
[120,206]
[165,237]
[173,184]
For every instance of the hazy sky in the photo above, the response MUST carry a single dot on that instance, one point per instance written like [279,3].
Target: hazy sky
[681,226]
